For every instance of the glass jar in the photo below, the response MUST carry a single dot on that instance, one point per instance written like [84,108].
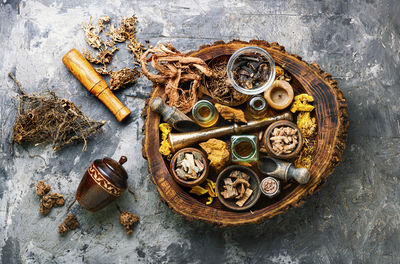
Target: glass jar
[205,114]
[257,107]
[244,148]
[252,57]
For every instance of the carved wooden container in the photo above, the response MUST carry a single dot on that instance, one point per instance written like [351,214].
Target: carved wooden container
[330,111]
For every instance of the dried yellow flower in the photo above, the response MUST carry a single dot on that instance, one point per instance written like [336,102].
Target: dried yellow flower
[198,190]
[210,200]
[165,148]
[301,103]
[304,160]
[306,124]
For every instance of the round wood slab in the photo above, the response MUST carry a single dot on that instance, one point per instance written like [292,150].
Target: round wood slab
[330,110]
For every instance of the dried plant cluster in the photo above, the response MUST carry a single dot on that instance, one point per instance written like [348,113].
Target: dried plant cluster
[106,48]
[70,223]
[48,200]
[219,87]
[48,118]
[180,73]
[127,220]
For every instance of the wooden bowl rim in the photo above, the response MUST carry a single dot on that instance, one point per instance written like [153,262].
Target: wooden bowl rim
[332,118]
[223,174]
[267,142]
[193,183]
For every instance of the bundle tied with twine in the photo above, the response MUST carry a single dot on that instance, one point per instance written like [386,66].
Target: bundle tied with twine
[48,118]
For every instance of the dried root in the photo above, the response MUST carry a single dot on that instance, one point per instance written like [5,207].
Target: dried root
[284,140]
[49,118]
[127,220]
[219,87]
[49,201]
[180,73]
[70,223]
[123,77]
[42,188]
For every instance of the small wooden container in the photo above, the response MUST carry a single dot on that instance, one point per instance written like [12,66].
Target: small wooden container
[189,183]
[254,185]
[104,181]
[268,144]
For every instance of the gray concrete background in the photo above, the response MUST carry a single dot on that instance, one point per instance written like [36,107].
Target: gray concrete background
[354,218]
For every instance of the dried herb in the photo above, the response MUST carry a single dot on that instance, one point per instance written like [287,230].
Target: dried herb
[70,223]
[219,87]
[217,151]
[304,160]
[189,165]
[42,188]
[123,77]
[48,118]
[180,73]
[231,114]
[250,71]
[284,139]
[106,48]
[49,201]
[127,220]
[238,189]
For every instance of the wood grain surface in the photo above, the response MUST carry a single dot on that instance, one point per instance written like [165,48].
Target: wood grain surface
[330,108]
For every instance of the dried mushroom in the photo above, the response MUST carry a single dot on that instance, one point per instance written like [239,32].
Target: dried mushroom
[284,139]
[180,73]
[127,220]
[218,153]
[231,114]
[70,223]
[189,165]
[49,201]
[237,186]
[42,188]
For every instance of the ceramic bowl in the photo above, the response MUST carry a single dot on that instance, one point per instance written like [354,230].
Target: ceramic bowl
[189,183]
[254,185]
[268,144]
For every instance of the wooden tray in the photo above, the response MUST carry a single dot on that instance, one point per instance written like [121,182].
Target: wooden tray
[330,110]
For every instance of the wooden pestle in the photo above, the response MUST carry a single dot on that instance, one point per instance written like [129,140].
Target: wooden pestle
[95,84]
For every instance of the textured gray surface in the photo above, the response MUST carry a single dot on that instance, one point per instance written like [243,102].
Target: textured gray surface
[355,218]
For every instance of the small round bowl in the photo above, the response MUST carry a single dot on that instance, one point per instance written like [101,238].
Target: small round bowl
[189,183]
[254,185]
[268,144]
[253,50]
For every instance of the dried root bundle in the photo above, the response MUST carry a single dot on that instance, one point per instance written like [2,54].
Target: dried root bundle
[175,70]
[48,118]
